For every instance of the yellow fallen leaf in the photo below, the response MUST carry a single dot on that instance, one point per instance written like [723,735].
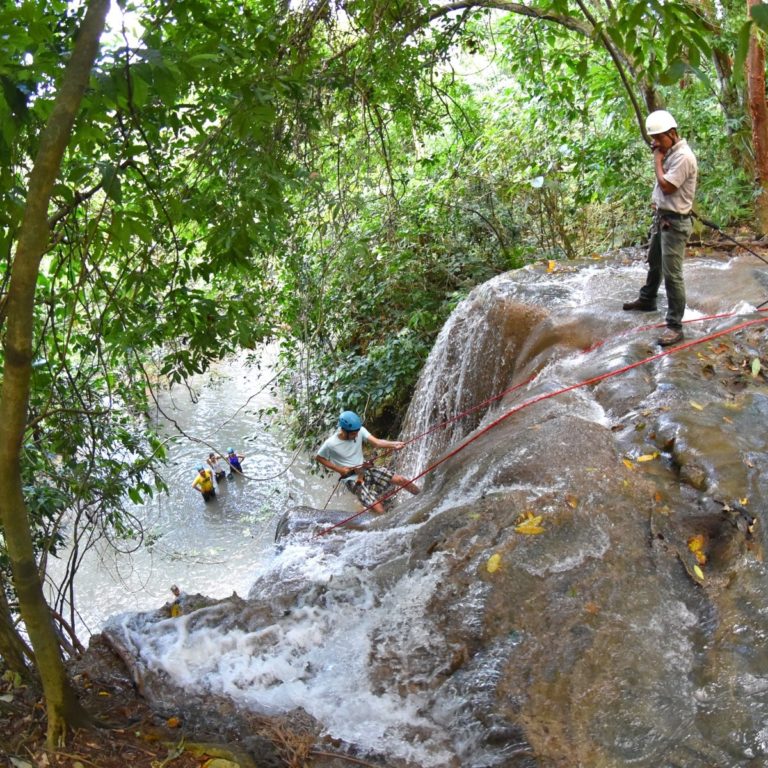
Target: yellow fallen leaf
[551,265]
[697,406]
[648,456]
[529,530]
[699,573]
[744,501]
[175,610]
[696,543]
[628,464]
[104,693]
[173,722]
[571,501]
[494,563]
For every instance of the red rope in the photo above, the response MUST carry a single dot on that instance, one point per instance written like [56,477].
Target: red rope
[591,348]
[546,396]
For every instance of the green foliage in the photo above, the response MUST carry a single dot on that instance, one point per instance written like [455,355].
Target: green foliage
[426,186]
[335,180]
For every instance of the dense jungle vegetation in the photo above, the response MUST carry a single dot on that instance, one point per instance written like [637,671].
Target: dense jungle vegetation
[202,177]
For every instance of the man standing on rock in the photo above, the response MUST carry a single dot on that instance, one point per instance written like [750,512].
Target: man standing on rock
[672,200]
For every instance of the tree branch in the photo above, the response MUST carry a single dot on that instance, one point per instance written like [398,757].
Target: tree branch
[569,22]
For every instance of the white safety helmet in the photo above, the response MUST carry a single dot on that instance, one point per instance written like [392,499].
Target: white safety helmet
[659,121]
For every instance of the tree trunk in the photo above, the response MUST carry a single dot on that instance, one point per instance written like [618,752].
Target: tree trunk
[758,111]
[62,706]
[12,648]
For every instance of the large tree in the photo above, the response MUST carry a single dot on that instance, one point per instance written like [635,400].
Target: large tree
[758,109]
[62,706]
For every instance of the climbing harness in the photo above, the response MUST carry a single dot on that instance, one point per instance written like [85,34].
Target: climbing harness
[367,464]
[547,395]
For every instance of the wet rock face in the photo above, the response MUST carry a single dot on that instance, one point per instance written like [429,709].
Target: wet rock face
[582,583]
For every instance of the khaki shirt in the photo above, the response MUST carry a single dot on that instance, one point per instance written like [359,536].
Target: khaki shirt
[680,169]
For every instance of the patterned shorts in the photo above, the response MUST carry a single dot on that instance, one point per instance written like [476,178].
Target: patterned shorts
[375,483]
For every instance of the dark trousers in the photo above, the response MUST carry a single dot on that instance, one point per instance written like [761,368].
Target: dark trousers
[666,252]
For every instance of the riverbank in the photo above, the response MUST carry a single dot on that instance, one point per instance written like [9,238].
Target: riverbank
[130,733]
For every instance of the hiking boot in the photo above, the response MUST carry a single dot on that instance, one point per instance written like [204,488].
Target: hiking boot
[670,337]
[639,305]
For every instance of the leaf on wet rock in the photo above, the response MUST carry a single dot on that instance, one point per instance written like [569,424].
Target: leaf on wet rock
[175,610]
[571,500]
[551,265]
[648,456]
[756,366]
[696,545]
[744,501]
[494,563]
[529,530]
[696,405]
[699,573]
[173,722]
[628,464]
[530,525]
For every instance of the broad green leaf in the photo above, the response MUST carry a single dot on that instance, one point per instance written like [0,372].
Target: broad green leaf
[760,15]
[674,72]
[742,48]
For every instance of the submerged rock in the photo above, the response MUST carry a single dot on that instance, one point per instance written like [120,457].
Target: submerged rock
[316,522]
[580,585]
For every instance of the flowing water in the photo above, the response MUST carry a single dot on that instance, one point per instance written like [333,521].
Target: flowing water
[213,548]
[443,636]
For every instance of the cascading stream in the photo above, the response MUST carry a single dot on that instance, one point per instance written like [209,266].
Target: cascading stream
[443,635]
